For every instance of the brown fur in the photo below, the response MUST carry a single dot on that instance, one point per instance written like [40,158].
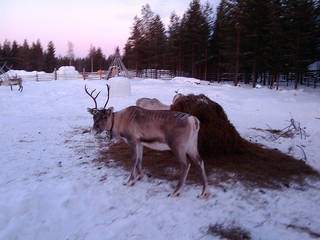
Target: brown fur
[151,104]
[155,129]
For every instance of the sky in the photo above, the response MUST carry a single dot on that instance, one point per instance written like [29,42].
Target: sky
[100,23]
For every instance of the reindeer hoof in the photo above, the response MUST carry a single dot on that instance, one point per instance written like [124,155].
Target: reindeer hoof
[130,183]
[174,194]
[140,176]
[204,195]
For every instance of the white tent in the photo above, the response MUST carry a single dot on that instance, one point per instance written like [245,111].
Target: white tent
[117,68]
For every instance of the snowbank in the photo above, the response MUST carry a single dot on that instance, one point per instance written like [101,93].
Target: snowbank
[119,87]
[186,80]
[68,72]
[314,66]
[23,73]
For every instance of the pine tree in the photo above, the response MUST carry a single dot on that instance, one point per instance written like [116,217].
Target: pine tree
[99,59]
[158,42]
[302,31]
[223,41]
[37,57]
[174,53]
[24,52]
[50,59]
[135,47]
[14,56]
[5,56]
[195,35]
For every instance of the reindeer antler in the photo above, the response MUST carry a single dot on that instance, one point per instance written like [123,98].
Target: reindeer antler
[108,88]
[90,94]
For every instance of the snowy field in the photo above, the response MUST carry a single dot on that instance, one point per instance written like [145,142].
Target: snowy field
[51,189]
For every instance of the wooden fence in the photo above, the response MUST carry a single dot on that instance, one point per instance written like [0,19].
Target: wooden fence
[310,78]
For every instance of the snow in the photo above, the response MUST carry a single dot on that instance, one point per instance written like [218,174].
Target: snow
[186,80]
[119,87]
[51,188]
[68,72]
[314,66]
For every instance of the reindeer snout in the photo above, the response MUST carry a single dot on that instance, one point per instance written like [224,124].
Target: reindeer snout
[95,131]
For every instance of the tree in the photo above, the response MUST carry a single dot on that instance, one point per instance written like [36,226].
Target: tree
[24,53]
[146,45]
[6,53]
[302,16]
[14,56]
[195,32]
[158,42]
[99,59]
[174,53]
[134,47]
[36,56]
[50,59]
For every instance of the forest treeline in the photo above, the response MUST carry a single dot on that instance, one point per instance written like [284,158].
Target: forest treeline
[33,57]
[251,37]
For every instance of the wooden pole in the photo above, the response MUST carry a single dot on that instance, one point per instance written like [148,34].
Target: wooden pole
[91,64]
[55,74]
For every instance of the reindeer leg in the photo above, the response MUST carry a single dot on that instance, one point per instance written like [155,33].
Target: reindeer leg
[200,165]
[135,150]
[184,169]
[139,166]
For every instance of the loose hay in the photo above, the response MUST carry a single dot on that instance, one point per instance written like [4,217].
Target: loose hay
[228,157]
[262,168]
[217,135]
[231,232]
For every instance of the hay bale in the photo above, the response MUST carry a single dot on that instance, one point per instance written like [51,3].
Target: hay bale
[217,135]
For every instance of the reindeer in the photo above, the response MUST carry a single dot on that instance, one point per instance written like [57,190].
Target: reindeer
[155,129]
[11,82]
[155,104]
[151,104]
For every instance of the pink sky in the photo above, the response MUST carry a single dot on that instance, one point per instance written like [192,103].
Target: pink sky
[102,23]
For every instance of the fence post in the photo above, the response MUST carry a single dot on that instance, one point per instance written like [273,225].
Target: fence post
[37,78]
[83,75]
[55,74]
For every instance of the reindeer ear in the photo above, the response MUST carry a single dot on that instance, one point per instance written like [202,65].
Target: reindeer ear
[108,111]
[91,110]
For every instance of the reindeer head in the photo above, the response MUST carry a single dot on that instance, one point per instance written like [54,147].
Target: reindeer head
[102,118]
[175,98]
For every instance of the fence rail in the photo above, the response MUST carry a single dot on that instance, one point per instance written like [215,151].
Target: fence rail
[309,78]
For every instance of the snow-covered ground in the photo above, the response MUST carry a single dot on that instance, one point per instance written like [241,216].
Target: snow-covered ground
[49,190]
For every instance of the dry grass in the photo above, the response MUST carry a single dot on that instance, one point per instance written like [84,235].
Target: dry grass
[259,167]
[217,135]
[304,230]
[231,232]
